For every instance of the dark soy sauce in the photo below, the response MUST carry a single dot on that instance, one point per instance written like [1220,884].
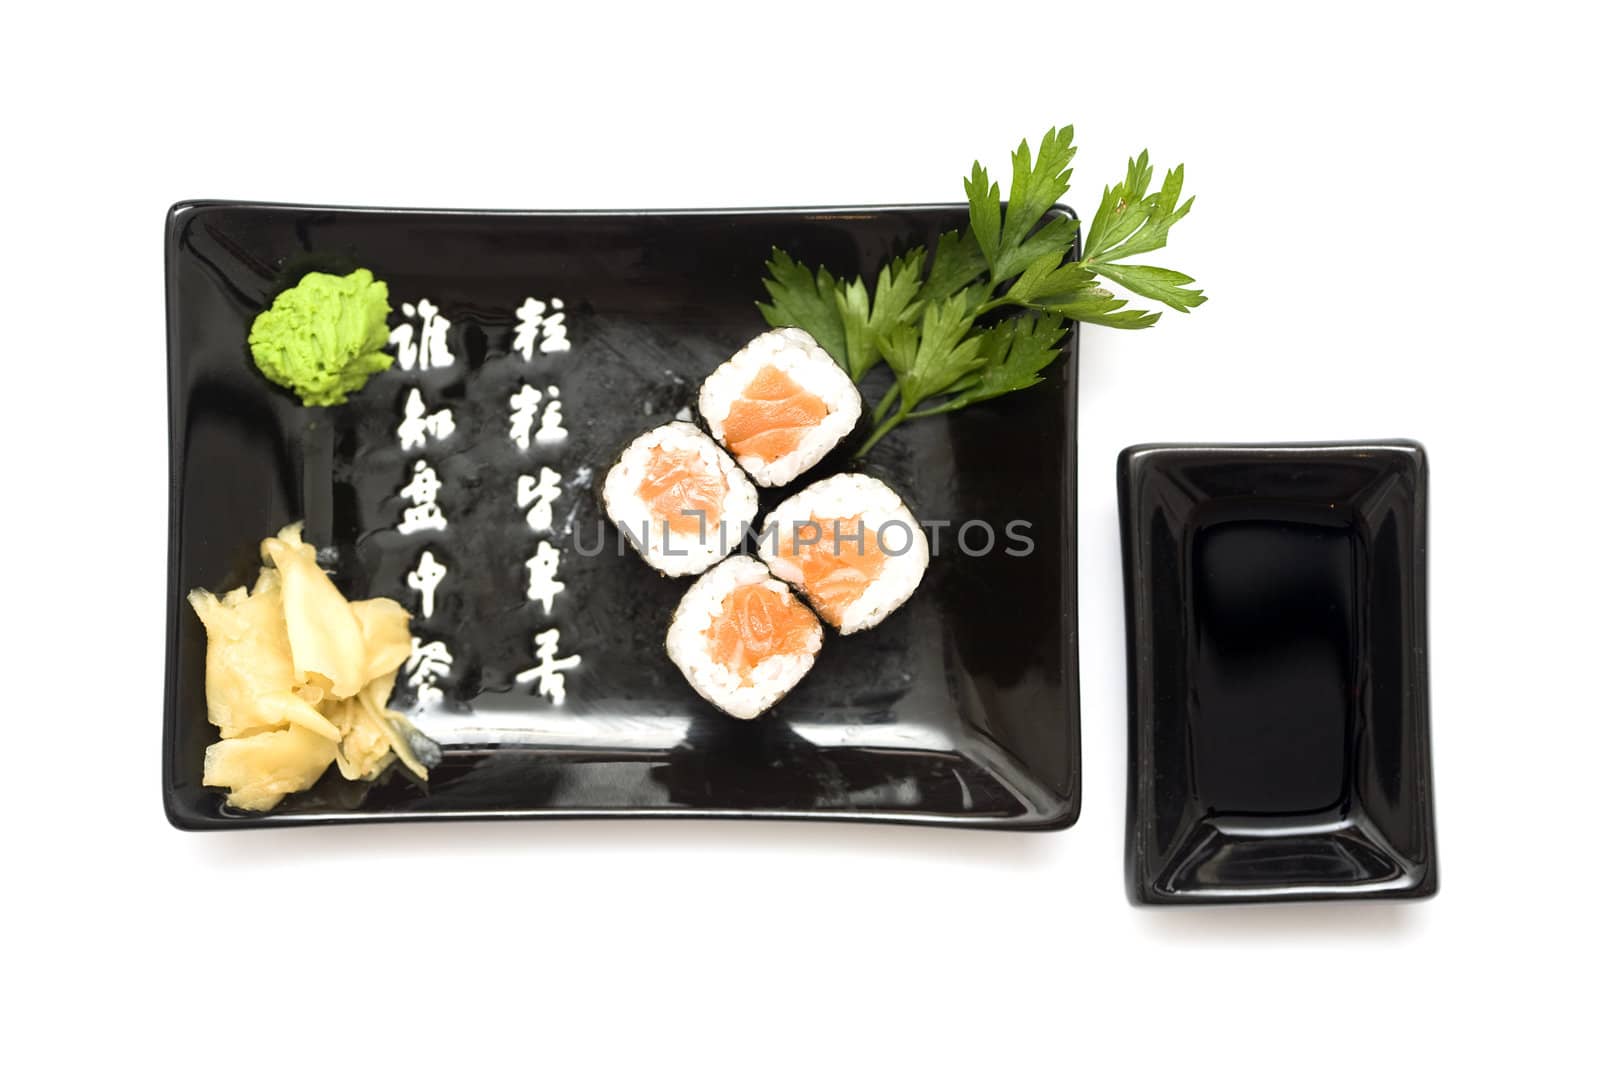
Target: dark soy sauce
[1274,641]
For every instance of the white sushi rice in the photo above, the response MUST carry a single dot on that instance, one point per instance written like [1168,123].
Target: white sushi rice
[798,355]
[671,552]
[905,546]
[689,645]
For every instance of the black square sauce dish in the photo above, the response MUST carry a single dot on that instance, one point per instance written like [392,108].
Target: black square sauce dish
[961,709]
[1277,672]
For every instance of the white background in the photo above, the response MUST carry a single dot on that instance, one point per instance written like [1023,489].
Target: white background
[1396,225]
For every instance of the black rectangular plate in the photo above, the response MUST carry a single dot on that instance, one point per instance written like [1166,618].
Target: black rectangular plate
[1277,672]
[962,709]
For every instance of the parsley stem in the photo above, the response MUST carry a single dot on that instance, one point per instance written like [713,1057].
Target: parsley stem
[944,408]
[880,412]
[883,428]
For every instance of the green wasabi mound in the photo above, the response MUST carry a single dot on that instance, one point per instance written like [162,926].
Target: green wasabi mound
[324,338]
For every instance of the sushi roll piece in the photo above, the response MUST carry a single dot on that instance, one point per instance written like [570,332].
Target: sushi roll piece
[679,500]
[779,405]
[850,545]
[741,638]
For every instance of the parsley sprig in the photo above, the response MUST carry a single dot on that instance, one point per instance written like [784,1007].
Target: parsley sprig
[985,312]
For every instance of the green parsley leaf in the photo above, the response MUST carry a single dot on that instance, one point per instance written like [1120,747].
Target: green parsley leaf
[1036,187]
[1013,353]
[1053,241]
[1158,283]
[983,212]
[854,307]
[1104,308]
[1130,223]
[894,303]
[1006,237]
[844,317]
[1047,279]
[931,359]
[1121,208]
[802,299]
[957,263]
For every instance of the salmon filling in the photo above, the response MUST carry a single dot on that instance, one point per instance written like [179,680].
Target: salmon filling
[757,623]
[681,492]
[770,417]
[838,559]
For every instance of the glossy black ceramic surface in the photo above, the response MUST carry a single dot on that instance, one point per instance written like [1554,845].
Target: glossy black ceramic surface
[962,709]
[1277,672]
